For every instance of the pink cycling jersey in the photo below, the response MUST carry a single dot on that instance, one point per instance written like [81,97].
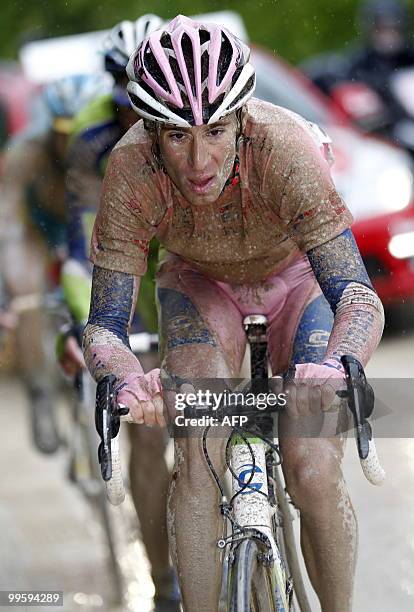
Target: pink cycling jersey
[281,201]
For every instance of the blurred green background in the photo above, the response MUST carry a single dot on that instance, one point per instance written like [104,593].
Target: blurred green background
[295,29]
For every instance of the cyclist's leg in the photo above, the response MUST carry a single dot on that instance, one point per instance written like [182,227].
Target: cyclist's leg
[202,336]
[312,465]
[26,275]
[149,479]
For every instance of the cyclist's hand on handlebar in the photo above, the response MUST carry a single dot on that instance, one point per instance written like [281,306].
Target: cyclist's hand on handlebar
[71,358]
[314,388]
[142,394]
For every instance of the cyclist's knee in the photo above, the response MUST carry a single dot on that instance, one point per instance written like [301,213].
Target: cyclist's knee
[312,471]
[190,467]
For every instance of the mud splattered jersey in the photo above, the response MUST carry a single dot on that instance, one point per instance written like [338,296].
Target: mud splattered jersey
[283,202]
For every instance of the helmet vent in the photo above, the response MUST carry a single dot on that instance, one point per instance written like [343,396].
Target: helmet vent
[210,109]
[140,104]
[204,36]
[166,41]
[248,87]
[176,70]
[226,53]
[154,70]
[188,54]
[204,66]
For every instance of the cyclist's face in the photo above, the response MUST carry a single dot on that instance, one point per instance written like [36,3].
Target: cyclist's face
[200,159]
[387,38]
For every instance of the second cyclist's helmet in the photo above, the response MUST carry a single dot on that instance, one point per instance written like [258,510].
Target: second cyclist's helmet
[190,73]
[64,98]
[124,38]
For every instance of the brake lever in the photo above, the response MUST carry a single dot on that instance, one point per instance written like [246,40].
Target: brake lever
[361,400]
[107,421]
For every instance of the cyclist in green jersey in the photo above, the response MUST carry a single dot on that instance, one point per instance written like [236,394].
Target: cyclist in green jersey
[33,235]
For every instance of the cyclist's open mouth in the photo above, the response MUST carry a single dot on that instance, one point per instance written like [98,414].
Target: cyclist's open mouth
[201,185]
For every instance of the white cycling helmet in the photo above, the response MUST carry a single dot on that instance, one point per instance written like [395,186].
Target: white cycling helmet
[124,38]
[190,73]
[64,98]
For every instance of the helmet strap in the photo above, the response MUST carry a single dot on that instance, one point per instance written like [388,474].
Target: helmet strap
[241,123]
[154,132]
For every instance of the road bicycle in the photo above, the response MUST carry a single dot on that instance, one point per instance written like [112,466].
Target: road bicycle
[260,561]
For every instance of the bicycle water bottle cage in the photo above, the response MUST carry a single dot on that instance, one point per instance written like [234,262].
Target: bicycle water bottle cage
[107,422]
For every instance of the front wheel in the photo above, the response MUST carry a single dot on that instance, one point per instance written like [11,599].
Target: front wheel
[252,584]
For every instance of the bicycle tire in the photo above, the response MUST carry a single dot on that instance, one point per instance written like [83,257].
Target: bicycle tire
[252,585]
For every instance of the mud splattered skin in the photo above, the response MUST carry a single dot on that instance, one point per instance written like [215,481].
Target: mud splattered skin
[359,317]
[106,343]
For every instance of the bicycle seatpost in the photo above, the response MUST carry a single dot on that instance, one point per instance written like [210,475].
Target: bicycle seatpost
[256,328]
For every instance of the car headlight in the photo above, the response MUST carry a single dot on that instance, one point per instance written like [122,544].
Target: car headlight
[394,188]
[401,246]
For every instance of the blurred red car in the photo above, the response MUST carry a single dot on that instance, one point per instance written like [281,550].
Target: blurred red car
[375,178]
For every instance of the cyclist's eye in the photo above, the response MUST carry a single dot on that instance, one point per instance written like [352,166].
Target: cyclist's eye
[176,136]
[216,132]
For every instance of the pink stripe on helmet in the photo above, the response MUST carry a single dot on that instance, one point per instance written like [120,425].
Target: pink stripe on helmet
[176,39]
[214,55]
[154,42]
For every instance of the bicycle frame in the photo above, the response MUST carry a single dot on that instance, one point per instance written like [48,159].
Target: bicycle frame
[253,510]
[252,463]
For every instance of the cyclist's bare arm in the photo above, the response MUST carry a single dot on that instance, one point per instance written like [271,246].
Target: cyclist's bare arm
[106,345]
[357,327]
[359,315]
